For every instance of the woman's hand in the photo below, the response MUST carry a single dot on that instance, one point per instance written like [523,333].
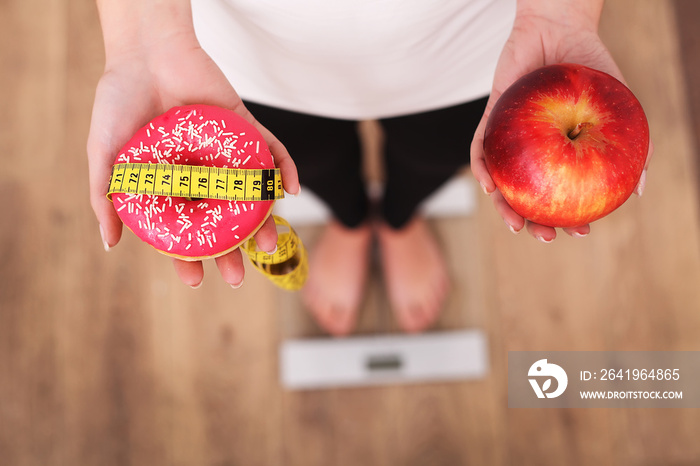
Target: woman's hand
[545,32]
[143,78]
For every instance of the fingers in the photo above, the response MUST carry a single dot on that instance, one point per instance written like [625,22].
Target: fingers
[231,268]
[639,190]
[649,154]
[110,225]
[290,176]
[115,117]
[478,164]
[100,168]
[578,232]
[191,273]
[514,221]
[547,234]
[542,233]
[266,237]
[230,265]
[477,156]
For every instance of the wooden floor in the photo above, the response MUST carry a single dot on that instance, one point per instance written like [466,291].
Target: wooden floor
[106,359]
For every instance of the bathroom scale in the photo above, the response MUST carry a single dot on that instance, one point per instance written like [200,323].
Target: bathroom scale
[317,363]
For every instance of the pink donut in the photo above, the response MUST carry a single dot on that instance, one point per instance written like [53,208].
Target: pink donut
[194,229]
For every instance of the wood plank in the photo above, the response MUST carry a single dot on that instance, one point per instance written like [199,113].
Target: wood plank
[687,14]
[30,364]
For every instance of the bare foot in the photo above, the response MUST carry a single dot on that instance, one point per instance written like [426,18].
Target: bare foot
[415,274]
[337,273]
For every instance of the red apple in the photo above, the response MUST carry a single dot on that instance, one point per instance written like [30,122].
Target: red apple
[566,145]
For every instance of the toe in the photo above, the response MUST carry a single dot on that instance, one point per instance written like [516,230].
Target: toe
[333,320]
[410,318]
[342,321]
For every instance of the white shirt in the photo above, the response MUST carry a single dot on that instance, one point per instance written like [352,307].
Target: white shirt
[356,59]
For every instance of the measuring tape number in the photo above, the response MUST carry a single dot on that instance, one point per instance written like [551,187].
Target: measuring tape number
[195,182]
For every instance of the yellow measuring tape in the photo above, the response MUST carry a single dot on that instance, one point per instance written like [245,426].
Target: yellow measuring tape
[287,267]
[194,182]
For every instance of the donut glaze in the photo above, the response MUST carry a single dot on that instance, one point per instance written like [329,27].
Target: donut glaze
[194,229]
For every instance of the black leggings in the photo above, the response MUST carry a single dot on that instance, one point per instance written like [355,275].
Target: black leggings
[421,152]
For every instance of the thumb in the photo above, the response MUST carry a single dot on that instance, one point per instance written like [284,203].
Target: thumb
[114,120]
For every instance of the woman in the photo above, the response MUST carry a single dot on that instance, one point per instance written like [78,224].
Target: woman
[305,72]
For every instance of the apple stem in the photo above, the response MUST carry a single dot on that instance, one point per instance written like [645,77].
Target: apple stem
[574,133]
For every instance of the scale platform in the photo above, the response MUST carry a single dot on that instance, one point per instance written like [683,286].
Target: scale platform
[319,363]
[386,359]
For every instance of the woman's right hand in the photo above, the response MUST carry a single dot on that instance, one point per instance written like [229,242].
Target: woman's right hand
[143,78]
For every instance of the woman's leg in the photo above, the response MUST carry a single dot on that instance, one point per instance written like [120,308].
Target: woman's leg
[327,154]
[422,151]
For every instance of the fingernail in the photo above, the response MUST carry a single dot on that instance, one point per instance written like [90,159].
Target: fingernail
[512,228]
[546,241]
[104,241]
[484,188]
[642,183]
[197,286]
[269,253]
[297,193]
[235,286]
[576,234]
